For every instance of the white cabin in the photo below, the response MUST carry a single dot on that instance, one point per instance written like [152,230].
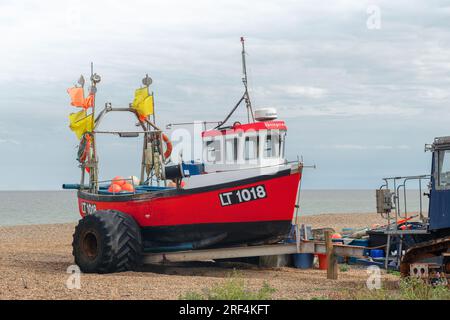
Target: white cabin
[241,146]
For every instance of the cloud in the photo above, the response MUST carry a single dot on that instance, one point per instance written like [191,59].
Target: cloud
[9,141]
[348,111]
[364,147]
[316,62]
[293,91]
[435,93]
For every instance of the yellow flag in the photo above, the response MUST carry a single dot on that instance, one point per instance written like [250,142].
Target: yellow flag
[80,123]
[139,96]
[143,102]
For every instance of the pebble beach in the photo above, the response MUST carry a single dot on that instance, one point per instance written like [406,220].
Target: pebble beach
[34,260]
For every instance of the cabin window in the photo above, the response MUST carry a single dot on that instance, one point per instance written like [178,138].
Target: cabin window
[272,146]
[268,148]
[444,169]
[213,153]
[231,149]
[282,145]
[251,148]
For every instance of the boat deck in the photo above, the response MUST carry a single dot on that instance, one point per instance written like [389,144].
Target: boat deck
[103,189]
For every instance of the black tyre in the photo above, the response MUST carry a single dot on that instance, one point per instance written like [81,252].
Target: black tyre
[107,241]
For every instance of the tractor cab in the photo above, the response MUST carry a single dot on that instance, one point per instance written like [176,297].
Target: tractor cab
[394,205]
[439,208]
[410,234]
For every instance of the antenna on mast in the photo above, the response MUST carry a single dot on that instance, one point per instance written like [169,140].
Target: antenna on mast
[245,97]
[245,81]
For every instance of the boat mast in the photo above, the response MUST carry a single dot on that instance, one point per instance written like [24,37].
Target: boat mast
[245,81]
[245,96]
[93,165]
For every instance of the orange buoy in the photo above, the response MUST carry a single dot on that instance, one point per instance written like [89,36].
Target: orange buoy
[336,236]
[128,187]
[114,188]
[118,180]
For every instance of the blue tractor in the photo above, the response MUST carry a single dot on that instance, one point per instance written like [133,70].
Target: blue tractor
[414,237]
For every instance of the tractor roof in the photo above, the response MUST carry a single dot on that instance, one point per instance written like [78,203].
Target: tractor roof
[441,142]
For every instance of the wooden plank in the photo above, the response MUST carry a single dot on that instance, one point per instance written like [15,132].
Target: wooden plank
[250,251]
[349,251]
[331,257]
[225,253]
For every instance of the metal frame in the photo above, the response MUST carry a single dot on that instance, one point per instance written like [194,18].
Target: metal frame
[149,130]
[252,251]
[396,196]
[392,226]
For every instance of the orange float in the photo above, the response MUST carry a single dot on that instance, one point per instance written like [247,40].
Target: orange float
[114,188]
[120,181]
[128,187]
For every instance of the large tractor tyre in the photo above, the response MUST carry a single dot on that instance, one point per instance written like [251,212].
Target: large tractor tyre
[107,241]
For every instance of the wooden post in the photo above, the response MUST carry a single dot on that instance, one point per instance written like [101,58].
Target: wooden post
[332,270]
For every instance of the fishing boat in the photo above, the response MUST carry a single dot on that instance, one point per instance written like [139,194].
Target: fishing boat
[244,191]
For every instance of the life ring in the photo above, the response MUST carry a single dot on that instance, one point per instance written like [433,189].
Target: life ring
[84,148]
[169,146]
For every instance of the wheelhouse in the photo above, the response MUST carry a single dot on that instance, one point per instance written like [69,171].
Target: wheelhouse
[240,146]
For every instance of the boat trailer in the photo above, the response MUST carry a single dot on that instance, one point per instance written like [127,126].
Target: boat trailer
[300,246]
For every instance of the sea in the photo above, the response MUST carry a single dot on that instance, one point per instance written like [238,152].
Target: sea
[43,207]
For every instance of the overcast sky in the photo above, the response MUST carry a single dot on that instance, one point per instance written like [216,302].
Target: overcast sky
[360,96]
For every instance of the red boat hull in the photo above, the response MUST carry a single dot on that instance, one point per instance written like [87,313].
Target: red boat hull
[243,211]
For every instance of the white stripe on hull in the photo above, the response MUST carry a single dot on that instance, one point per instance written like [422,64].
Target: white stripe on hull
[214,178]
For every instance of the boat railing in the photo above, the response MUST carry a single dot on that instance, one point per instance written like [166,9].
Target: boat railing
[393,205]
